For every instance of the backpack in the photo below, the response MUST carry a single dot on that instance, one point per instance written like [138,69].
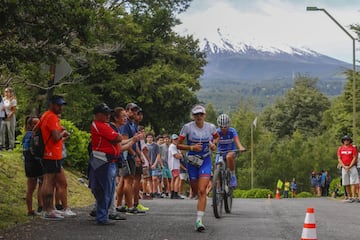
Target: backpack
[37,145]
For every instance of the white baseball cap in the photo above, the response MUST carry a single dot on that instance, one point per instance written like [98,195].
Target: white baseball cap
[198,109]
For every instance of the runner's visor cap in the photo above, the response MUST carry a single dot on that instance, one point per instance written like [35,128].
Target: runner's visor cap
[198,109]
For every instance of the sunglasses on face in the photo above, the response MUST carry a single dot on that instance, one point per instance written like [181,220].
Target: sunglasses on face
[199,114]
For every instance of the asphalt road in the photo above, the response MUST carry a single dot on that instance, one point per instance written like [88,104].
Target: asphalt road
[174,219]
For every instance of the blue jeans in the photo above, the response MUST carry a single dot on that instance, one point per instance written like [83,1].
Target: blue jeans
[104,189]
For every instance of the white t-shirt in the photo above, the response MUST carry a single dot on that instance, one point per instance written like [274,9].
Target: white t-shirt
[174,163]
[9,104]
[142,146]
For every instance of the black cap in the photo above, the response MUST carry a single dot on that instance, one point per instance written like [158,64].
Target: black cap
[102,108]
[346,137]
[132,106]
[56,99]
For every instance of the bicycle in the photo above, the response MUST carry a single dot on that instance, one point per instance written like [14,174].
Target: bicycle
[222,192]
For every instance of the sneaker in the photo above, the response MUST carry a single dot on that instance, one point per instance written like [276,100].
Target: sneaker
[199,226]
[39,211]
[93,213]
[59,207]
[142,207]
[58,212]
[134,211]
[233,181]
[116,216]
[349,200]
[53,216]
[68,213]
[122,209]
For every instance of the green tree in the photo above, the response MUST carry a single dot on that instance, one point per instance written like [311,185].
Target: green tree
[300,110]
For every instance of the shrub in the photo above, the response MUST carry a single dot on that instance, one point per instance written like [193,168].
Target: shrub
[262,193]
[304,195]
[76,147]
[238,193]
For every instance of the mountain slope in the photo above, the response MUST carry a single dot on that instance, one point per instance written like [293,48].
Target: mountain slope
[239,71]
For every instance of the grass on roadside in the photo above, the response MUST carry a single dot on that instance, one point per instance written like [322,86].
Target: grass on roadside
[13,189]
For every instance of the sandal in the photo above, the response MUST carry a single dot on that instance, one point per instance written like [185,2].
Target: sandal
[116,217]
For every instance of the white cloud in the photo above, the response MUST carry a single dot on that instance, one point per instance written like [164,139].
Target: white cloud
[275,22]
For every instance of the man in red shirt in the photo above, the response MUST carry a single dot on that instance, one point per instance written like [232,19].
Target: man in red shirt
[347,157]
[53,135]
[103,162]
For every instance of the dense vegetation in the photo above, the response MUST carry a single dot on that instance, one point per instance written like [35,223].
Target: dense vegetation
[122,51]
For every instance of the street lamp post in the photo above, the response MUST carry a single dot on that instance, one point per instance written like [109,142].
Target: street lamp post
[354,67]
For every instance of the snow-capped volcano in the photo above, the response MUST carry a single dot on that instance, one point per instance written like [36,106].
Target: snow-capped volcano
[221,43]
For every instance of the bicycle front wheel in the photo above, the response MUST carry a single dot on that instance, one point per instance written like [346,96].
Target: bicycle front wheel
[218,193]
[228,195]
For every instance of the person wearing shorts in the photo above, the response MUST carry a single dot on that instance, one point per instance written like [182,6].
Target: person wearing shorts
[174,166]
[347,158]
[53,134]
[33,168]
[201,138]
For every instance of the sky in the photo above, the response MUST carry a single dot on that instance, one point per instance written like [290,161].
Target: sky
[277,22]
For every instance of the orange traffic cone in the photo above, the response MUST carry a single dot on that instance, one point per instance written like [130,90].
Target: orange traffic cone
[309,229]
[277,195]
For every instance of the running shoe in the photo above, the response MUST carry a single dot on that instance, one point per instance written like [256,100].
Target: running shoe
[199,226]
[68,213]
[122,209]
[59,207]
[39,211]
[142,207]
[233,181]
[52,216]
[134,211]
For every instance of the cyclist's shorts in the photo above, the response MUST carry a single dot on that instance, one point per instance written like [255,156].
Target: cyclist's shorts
[203,171]
[224,156]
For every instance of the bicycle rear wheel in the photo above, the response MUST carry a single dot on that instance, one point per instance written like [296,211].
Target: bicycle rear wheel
[228,195]
[218,194]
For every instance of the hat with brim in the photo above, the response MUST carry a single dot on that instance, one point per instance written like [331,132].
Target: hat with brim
[174,136]
[132,106]
[198,109]
[56,99]
[102,108]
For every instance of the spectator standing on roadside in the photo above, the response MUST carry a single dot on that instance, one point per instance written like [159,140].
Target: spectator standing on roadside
[286,188]
[166,174]
[156,164]
[347,158]
[33,169]
[103,162]
[293,188]
[8,124]
[174,166]
[201,138]
[53,134]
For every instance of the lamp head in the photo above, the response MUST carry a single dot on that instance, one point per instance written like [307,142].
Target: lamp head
[314,9]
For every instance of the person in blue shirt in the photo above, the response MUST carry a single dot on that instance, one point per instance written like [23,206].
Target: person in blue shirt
[229,141]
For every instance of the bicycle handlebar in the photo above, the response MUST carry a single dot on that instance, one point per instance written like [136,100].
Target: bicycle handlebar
[235,150]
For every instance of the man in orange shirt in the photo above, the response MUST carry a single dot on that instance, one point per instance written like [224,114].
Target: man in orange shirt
[53,135]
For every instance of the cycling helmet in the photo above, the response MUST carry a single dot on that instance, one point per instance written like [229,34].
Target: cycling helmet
[223,120]
[346,137]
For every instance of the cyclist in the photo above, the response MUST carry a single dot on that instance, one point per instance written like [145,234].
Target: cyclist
[229,140]
[198,135]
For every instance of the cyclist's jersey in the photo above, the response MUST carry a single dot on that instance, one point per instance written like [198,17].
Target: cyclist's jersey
[195,135]
[227,141]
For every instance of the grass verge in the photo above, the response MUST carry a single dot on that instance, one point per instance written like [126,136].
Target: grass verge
[13,189]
